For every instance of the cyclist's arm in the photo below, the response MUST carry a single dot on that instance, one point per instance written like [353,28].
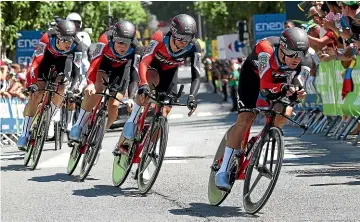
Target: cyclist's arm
[264,52]
[149,54]
[134,72]
[299,79]
[76,67]
[38,56]
[96,59]
[195,70]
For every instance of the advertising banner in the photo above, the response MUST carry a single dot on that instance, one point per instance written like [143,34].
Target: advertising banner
[266,25]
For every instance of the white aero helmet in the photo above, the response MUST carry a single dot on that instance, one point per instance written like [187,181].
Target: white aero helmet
[84,38]
[76,18]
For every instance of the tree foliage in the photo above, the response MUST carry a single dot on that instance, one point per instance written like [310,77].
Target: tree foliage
[221,16]
[36,15]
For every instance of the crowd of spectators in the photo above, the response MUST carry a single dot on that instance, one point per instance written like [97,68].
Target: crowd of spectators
[12,79]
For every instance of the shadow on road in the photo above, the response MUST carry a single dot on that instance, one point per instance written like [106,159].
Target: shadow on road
[14,167]
[59,177]
[206,210]
[107,190]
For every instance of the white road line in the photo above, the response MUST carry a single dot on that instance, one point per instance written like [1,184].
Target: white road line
[176,116]
[12,156]
[58,161]
[202,114]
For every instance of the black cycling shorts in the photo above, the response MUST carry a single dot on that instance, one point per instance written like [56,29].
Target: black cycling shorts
[113,72]
[167,78]
[248,88]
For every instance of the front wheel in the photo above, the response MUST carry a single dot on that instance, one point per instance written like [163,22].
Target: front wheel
[73,159]
[94,145]
[272,145]
[152,154]
[40,137]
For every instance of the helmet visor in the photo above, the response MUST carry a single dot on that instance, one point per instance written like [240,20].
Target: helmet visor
[292,54]
[65,38]
[182,38]
[125,41]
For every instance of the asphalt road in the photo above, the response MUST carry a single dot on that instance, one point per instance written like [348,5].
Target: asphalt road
[318,182]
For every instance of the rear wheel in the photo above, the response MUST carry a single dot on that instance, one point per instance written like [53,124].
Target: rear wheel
[122,166]
[264,163]
[216,196]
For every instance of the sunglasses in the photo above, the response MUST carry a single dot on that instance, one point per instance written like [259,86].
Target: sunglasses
[182,38]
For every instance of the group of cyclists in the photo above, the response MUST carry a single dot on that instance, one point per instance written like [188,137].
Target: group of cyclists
[278,64]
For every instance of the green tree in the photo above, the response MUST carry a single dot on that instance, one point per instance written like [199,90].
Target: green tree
[34,15]
[221,17]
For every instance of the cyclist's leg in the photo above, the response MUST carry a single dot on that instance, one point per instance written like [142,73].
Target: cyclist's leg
[168,78]
[280,120]
[29,113]
[248,90]
[130,125]
[88,103]
[56,102]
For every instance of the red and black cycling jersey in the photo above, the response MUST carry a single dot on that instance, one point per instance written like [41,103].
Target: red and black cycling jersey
[106,59]
[159,56]
[264,61]
[46,54]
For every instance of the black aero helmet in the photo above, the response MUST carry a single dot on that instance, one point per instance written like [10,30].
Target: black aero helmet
[65,30]
[294,40]
[124,31]
[183,27]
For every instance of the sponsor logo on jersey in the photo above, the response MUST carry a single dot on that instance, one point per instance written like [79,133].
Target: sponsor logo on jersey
[170,62]
[98,50]
[150,48]
[40,49]
[77,59]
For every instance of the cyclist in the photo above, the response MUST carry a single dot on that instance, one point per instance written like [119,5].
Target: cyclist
[159,65]
[86,43]
[273,64]
[117,53]
[53,48]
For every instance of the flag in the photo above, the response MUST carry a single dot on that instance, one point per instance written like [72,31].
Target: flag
[348,85]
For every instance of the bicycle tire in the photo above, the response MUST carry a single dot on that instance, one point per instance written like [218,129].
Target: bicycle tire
[57,135]
[164,127]
[216,196]
[98,135]
[43,127]
[250,207]
[120,173]
[74,159]
[28,153]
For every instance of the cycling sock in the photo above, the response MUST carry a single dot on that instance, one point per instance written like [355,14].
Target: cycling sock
[70,117]
[54,111]
[134,113]
[26,126]
[83,117]
[229,152]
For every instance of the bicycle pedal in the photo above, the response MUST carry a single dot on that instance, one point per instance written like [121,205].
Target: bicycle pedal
[116,153]
[215,167]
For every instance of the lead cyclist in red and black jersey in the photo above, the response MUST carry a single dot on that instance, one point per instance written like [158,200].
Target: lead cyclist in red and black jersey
[159,65]
[280,65]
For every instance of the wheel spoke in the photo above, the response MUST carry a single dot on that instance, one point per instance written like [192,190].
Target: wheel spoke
[255,183]
[148,160]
